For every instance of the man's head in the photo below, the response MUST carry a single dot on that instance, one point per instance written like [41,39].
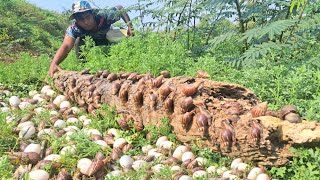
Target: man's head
[82,13]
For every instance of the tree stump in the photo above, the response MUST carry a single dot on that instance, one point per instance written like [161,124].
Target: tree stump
[212,114]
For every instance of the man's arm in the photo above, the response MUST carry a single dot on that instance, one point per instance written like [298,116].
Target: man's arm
[61,54]
[127,20]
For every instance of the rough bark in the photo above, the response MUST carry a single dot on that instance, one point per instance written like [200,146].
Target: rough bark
[226,107]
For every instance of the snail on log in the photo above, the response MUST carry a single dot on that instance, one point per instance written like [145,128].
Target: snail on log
[277,138]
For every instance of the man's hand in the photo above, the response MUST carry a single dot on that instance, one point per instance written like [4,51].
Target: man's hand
[130,31]
[53,68]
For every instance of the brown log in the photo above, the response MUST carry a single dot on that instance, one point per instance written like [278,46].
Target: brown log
[225,108]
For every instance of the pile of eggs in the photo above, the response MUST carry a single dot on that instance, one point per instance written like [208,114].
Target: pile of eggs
[66,121]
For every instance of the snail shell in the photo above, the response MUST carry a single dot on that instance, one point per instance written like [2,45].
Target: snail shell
[164,91]
[186,104]
[63,175]
[124,95]
[153,100]
[138,98]
[133,76]
[202,122]
[123,123]
[286,110]
[116,153]
[169,105]
[256,130]
[105,73]
[115,88]
[202,74]
[259,110]
[186,119]
[157,81]
[226,137]
[112,76]
[165,74]
[138,125]
[125,75]
[127,147]
[191,89]
[293,118]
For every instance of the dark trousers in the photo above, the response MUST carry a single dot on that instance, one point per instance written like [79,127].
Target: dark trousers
[80,41]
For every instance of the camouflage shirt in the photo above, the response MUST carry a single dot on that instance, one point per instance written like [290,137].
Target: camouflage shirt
[104,19]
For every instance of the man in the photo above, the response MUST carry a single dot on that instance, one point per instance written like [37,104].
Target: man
[88,22]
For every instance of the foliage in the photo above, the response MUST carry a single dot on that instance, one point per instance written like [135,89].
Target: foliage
[305,165]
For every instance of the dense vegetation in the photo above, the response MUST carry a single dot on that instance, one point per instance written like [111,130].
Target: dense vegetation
[272,50]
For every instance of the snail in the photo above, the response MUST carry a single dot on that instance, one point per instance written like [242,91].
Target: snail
[202,74]
[115,88]
[133,76]
[186,119]
[112,76]
[124,93]
[138,98]
[191,89]
[165,74]
[85,71]
[290,113]
[125,75]
[123,122]
[24,158]
[202,122]
[164,91]
[169,105]
[98,73]
[259,110]
[156,82]
[204,111]
[256,130]
[63,175]
[105,73]
[153,100]
[186,104]
[227,134]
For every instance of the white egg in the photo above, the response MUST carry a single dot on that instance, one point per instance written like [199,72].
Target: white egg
[54,113]
[5,109]
[221,170]
[160,140]
[32,93]
[254,172]
[24,105]
[14,101]
[33,148]
[53,157]
[263,177]
[185,177]
[102,143]
[136,165]
[157,168]
[179,151]
[119,143]
[201,161]
[187,155]
[241,167]
[175,168]
[114,132]
[113,174]
[39,110]
[68,150]
[57,101]
[146,148]
[27,132]
[24,124]
[235,162]
[167,145]
[212,169]
[72,120]
[39,175]
[44,88]
[51,93]
[126,161]
[75,110]
[60,124]
[84,165]
[226,174]
[44,132]
[65,104]
[199,174]
[86,122]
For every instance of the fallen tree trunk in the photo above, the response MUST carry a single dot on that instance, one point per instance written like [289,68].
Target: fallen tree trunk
[225,117]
